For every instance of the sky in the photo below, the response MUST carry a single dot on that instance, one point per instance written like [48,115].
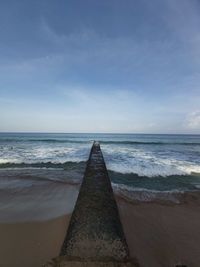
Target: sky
[118,66]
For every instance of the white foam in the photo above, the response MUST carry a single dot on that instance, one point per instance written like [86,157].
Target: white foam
[56,153]
[147,163]
[142,160]
[189,168]
[146,195]
[8,160]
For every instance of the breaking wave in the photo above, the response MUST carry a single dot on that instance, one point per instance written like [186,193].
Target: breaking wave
[69,165]
[138,195]
[147,143]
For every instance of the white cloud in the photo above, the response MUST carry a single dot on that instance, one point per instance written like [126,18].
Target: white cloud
[98,101]
[193,120]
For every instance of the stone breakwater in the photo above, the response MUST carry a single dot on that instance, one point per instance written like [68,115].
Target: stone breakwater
[95,236]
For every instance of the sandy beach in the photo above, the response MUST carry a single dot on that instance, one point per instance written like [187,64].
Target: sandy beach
[162,235]
[34,223]
[33,220]
[31,244]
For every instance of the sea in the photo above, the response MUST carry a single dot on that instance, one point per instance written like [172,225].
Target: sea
[143,166]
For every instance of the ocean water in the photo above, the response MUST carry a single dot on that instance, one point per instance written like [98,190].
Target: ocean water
[136,162]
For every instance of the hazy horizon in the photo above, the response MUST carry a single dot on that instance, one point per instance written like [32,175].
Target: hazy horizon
[101,133]
[100,66]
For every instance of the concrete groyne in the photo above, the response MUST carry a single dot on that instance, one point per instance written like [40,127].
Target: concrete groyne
[95,236]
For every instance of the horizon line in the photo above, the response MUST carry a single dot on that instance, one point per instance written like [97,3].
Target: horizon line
[110,133]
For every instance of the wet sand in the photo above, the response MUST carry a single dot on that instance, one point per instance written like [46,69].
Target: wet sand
[33,224]
[34,217]
[161,235]
[31,244]
[37,203]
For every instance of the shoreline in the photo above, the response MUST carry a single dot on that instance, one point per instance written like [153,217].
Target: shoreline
[34,221]
[157,235]
[43,202]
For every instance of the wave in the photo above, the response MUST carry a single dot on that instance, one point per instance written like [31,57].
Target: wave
[145,195]
[138,195]
[121,172]
[22,175]
[160,183]
[136,175]
[32,177]
[51,140]
[46,140]
[69,165]
[153,167]
[130,186]
[148,143]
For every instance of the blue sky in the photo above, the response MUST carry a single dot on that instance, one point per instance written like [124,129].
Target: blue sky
[100,66]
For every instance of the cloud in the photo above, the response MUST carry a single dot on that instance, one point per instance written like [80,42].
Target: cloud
[86,55]
[112,56]
[98,101]
[193,120]
[112,70]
